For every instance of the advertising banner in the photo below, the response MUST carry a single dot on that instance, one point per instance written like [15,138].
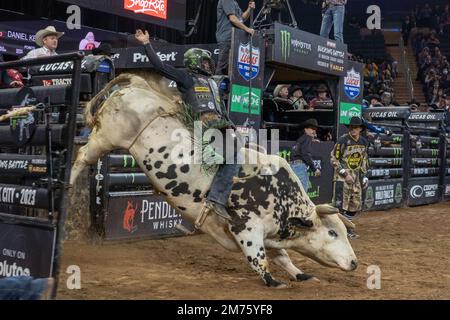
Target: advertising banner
[141,216]
[423,191]
[26,250]
[17,37]
[383,194]
[242,77]
[350,93]
[24,196]
[447,189]
[295,47]
[166,13]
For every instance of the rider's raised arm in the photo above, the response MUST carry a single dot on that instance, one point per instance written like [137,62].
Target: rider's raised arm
[181,77]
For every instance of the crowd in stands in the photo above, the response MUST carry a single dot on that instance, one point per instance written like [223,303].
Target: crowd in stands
[435,17]
[378,77]
[433,64]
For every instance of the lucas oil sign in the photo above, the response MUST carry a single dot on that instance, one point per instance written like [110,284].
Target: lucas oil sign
[352,84]
[244,61]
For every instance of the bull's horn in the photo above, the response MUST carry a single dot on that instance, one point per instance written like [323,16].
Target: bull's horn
[346,222]
[324,209]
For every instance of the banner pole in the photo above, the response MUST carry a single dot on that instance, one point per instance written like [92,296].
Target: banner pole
[251,72]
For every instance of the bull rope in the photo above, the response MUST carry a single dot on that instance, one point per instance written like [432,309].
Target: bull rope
[17,112]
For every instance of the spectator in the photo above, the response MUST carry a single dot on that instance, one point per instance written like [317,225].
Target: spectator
[322,97]
[47,39]
[447,111]
[296,96]
[10,78]
[333,16]
[425,16]
[386,99]
[444,20]
[407,26]
[281,97]
[229,15]
[375,100]
[301,153]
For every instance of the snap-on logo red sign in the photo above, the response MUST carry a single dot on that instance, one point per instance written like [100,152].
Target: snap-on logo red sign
[155,8]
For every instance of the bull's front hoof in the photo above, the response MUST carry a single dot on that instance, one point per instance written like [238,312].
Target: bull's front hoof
[272,283]
[306,277]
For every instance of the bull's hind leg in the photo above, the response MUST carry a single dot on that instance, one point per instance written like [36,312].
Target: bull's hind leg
[281,258]
[252,244]
[88,154]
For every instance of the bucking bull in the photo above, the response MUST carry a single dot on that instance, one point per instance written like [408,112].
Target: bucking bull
[270,213]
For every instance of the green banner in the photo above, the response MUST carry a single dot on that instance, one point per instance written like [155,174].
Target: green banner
[347,111]
[239,99]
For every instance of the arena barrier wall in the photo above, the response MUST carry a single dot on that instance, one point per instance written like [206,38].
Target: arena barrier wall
[125,206]
[413,157]
[35,162]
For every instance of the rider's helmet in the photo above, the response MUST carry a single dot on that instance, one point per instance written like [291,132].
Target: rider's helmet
[193,60]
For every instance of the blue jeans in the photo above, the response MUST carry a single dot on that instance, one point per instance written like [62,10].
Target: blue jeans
[222,183]
[22,288]
[334,16]
[301,170]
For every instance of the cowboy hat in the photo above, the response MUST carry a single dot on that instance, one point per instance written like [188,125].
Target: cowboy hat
[322,88]
[310,123]
[292,89]
[41,34]
[103,49]
[278,88]
[357,122]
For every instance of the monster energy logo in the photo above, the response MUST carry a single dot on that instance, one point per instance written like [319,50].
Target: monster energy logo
[312,194]
[125,161]
[397,152]
[397,139]
[434,152]
[285,44]
[434,141]
[285,154]
[397,161]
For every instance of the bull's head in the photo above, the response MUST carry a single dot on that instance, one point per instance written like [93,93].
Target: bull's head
[323,238]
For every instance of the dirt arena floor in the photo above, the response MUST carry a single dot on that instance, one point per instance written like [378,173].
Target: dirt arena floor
[410,246]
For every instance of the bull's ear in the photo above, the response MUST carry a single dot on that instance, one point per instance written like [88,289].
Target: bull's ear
[324,209]
[300,222]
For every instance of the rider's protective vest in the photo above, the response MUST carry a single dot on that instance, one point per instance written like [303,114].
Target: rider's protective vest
[204,96]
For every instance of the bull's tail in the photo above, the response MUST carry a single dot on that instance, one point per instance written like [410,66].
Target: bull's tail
[122,80]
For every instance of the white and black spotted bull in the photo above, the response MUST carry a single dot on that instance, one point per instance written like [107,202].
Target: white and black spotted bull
[270,213]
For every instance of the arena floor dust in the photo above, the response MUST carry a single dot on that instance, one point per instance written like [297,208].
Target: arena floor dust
[411,246]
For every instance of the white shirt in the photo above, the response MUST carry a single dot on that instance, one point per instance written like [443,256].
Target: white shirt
[40,52]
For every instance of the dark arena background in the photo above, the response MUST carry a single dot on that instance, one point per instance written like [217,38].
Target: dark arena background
[112,235]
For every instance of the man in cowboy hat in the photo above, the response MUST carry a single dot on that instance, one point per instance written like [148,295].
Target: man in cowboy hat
[296,96]
[281,97]
[322,97]
[301,153]
[350,161]
[47,39]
